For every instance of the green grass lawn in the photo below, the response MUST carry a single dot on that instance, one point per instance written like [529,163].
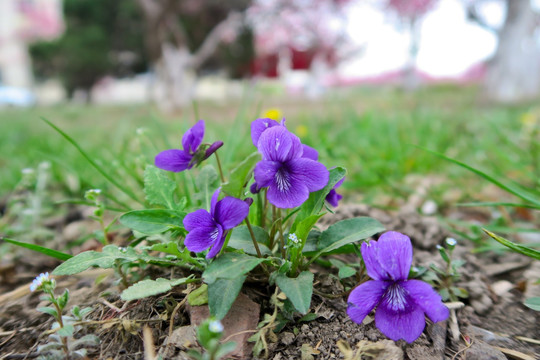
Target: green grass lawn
[370,131]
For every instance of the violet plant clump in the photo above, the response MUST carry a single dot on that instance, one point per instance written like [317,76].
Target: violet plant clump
[401,303]
[259,221]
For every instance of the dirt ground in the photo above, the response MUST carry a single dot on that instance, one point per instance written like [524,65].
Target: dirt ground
[492,323]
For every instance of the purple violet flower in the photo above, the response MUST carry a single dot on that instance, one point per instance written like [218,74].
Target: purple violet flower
[401,303]
[208,229]
[289,176]
[192,154]
[333,197]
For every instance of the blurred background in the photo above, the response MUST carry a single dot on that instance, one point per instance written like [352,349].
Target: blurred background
[170,52]
[363,81]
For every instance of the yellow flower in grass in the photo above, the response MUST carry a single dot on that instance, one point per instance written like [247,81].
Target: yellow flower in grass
[301,131]
[274,114]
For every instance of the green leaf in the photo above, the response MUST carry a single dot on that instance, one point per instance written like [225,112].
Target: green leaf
[240,176]
[312,241]
[346,232]
[49,252]
[159,189]
[66,331]
[298,290]
[221,295]
[170,247]
[533,303]
[315,202]
[308,317]
[345,272]
[207,182]
[105,260]
[512,189]
[230,266]
[515,247]
[304,226]
[153,221]
[198,296]
[224,349]
[48,310]
[241,239]
[146,288]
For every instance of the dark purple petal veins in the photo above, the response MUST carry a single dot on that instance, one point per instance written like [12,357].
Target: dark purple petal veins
[202,238]
[218,243]
[312,174]
[278,144]
[265,172]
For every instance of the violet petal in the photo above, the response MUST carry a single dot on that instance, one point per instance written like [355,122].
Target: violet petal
[370,254]
[333,198]
[312,174]
[213,202]
[364,298]
[202,238]
[265,172]
[427,299]
[212,149]
[173,160]
[192,139]
[230,212]
[197,219]
[395,254]
[218,244]
[309,153]
[278,144]
[259,126]
[407,325]
[286,198]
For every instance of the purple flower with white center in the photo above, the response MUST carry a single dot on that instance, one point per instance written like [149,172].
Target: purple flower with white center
[208,229]
[333,197]
[192,154]
[38,282]
[289,176]
[401,303]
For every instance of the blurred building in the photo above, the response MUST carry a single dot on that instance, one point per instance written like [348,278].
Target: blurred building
[21,23]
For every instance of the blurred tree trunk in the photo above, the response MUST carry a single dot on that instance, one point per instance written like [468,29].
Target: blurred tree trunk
[513,73]
[174,64]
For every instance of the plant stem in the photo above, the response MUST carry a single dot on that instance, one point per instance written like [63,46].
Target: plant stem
[281,239]
[219,167]
[255,244]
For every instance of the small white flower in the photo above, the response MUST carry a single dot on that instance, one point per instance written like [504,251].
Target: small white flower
[215,326]
[451,241]
[293,238]
[38,281]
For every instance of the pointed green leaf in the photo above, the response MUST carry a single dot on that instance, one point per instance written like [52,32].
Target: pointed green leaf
[105,260]
[241,239]
[146,288]
[533,303]
[512,189]
[240,176]
[49,252]
[207,182]
[48,310]
[230,266]
[153,221]
[346,232]
[159,189]
[515,247]
[345,272]
[221,295]
[198,296]
[168,248]
[298,290]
